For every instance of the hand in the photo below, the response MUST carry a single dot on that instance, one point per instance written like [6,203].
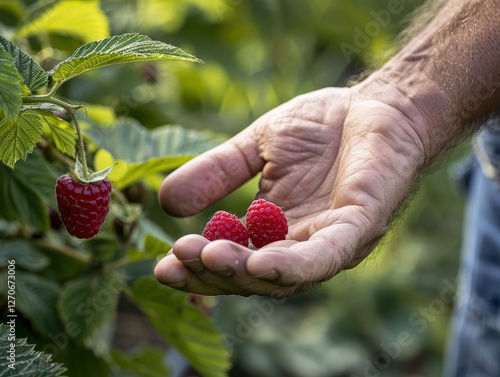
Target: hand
[338,161]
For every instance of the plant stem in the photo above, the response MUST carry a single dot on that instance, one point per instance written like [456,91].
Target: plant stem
[48,98]
[63,250]
[119,263]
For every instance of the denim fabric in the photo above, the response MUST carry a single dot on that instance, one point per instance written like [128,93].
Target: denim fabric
[474,350]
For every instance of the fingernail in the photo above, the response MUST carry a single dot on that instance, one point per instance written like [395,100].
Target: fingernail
[225,272]
[270,275]
[178,285]
[194,265]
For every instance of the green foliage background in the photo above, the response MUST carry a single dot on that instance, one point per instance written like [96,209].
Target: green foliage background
[257,55]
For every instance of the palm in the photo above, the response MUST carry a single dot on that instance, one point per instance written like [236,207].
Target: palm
[339,164]
[299,148]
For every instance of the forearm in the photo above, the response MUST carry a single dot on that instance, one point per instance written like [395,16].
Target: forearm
[446,78]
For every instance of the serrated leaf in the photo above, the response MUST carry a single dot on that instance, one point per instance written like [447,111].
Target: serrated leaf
[20,201]
[11,89]
[38,174]
[23,253]
[130,141]
[28,361]
[146,227]
[62,133]
[151,241]
[17,139]
[83,20]
[153,247]
[89,302]
[34,76]
[184,326]
[36,299]
[149,362]
[130,47]
[134,172]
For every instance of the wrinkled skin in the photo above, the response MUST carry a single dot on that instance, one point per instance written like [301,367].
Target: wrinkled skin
[339,162]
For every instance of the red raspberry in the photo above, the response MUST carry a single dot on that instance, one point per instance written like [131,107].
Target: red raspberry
[266,222]
[82,206]
[224,225]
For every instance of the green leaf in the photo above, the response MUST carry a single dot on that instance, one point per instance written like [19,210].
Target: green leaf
[82,361]
[141,153]
[150,239]
[63,135]
[23,253]
[131,142]
[89,302]
[130,47]
[33,75]
[40,177]
[36,299]
[28,361]
[20,201]
[83,20]
[11,89]
[17,139]
[149,362]
[184,326]
[127,174]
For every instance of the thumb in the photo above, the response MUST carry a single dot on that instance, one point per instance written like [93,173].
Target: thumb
[212,175]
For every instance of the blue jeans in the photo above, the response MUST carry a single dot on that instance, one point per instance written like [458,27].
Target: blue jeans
[474,349]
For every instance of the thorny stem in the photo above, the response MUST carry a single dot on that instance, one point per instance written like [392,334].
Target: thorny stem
[48,98]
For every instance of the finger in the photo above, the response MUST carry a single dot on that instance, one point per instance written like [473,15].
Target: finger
[222,264]
[175,274]
[211,175]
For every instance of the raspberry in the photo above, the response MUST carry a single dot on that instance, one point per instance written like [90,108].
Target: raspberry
[224,225]
[82,206]
[266,222]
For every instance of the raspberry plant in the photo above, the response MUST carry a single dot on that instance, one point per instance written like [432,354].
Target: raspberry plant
[68,290]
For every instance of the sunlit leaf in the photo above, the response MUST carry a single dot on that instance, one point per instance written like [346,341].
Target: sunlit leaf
[62,133]
[80,19]
[131,142]
[10,88]
[33,75]
[117,49]
[17,139]
[103,115]
[134,172]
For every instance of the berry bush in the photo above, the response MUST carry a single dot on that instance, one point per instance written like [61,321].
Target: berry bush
[77,242]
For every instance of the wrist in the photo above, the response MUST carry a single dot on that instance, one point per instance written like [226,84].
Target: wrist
[425,106]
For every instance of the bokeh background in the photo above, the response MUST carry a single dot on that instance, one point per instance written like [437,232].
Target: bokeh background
[388,317]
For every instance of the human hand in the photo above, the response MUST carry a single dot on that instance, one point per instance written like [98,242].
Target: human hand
[338,161]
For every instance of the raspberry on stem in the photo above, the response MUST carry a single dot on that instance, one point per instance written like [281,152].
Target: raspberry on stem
[82,206]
